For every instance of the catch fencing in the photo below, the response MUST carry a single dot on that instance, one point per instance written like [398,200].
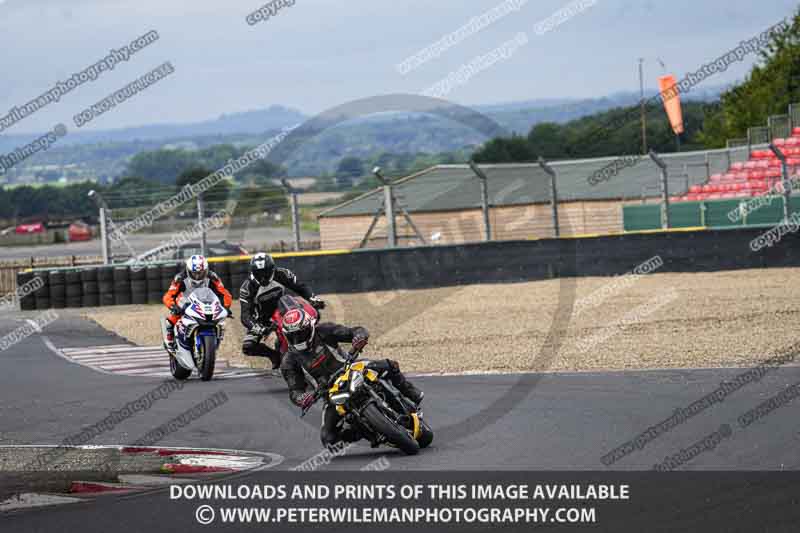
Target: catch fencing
[455,204]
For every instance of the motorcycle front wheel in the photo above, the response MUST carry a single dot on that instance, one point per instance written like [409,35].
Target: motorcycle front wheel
[178,372]
[393,432]
[209,357]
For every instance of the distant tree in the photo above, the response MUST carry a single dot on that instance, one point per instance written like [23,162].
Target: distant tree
[160,165]
[133,191]
[262,172]
[768,90]
[348,170]
[216,196]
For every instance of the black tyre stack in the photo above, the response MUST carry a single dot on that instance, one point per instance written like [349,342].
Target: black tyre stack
[122,285]
[42,296]
[138,285]
[105,285]
[58,289]
[155,287]
[74,288]
[239,272]
[26,302]
[168,273]
[90,289]
[223,270]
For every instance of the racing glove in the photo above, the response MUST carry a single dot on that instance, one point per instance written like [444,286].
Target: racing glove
[317,302]
[359,342]
[307,400]
[175,310]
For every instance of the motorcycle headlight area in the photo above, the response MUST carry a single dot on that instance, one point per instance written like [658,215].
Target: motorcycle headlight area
[356,381]
[340,399]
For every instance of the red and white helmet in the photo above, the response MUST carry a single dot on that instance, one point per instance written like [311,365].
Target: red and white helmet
[298,327]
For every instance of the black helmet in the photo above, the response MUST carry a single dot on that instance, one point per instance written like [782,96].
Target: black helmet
[262,268]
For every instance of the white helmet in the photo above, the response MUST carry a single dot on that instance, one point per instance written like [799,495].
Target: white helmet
[197,268]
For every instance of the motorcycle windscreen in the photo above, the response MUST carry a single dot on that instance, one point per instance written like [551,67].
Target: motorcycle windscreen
[205,295]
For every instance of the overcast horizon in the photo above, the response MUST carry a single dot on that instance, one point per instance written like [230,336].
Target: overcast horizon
[317,54]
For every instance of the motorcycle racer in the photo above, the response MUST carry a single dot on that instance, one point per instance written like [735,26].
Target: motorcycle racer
[314,356]
[195,275]
[258,297]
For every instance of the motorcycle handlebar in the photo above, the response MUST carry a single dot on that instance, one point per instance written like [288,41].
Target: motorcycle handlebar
[353,355]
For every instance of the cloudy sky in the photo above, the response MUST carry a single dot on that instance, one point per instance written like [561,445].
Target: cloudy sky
[316,54]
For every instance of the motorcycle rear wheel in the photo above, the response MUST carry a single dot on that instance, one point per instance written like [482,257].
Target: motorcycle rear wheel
[394,433]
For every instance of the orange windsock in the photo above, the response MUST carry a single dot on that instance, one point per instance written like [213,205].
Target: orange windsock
[672,102]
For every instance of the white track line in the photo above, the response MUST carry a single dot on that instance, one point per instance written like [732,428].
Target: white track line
[94,359]
[114,348]
[130,360]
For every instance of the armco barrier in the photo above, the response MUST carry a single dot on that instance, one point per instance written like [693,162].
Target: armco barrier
[435,266]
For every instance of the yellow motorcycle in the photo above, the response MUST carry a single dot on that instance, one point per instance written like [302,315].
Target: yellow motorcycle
[375,408]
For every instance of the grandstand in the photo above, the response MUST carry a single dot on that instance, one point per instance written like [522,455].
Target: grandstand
[757,175]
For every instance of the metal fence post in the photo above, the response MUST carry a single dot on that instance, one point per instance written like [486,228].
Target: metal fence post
[104,237]
[487,227]
[388,207]
[295,220]
[553,194]
[293,207]
[749,143]
[665,224]
[787,185]
[201,220]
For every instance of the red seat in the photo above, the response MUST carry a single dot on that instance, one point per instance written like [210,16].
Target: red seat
[694,189]
[738,165]
[779,142]
[793,141]
[716,177]
[795,131]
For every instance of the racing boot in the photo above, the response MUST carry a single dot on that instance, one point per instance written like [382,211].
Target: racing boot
[408,390]
[169,337]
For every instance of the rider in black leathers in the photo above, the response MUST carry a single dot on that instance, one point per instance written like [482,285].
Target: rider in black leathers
[258,297]
[315,348]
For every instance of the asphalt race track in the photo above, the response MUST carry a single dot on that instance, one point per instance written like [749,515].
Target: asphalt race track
[546,422]
[552,421]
